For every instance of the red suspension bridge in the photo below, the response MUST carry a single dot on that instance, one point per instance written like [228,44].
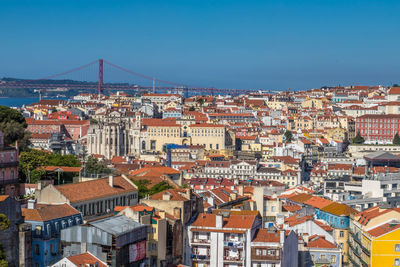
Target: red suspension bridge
[49,83]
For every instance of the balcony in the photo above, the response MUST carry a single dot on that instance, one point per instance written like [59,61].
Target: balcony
[236,244]
[355,250]
[354,263]
[200,241]
[233,258]
[8,181]
[366,251]
[8,164]
[271,255]
[356,238]
[196,257]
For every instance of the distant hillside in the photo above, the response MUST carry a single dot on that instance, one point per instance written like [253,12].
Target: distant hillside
[23,92]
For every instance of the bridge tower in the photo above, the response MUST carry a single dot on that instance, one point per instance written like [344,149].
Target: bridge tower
[100,85]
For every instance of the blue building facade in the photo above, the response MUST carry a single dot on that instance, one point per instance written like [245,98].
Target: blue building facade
[46,247]
[336,221]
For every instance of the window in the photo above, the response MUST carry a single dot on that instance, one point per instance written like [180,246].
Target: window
[264,252]
[397,247]
[341,233]
[333,258]
[38,230]
[48,229]
[323,256]
[396,262]
[37,249]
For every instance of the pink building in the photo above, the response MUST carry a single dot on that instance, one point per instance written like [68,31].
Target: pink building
[8,167]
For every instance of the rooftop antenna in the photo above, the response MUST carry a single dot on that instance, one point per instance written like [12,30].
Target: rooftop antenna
[154,85]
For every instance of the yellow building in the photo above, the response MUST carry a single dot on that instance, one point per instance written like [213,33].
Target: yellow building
[312,103]
[276,105]
[161,132]
[375,238]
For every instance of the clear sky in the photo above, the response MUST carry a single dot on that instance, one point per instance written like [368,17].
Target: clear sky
[265,44]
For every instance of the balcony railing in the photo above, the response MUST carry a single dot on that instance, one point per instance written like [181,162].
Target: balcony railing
[233,258]
[8,164]
[356,238]
[200,257]
[201,241]
[366,251]
[237,244]
[8,181]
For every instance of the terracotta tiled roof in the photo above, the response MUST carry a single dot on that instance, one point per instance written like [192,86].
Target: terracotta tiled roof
[300,198]
[296,219]
[62,168]
[233,221]
[265,236]
[160,123]
[86,259]
[176,195]
[318,202]
[208,125]
[46,212]
[137,207]
[94,189]
[159,170]
[320,242]
[339,209]
[368,214]
[291,208]
[384,229]
[394,91]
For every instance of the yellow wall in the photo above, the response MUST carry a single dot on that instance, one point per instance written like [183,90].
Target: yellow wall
[383,252]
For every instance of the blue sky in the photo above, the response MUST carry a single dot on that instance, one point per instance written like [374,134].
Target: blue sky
[226,44]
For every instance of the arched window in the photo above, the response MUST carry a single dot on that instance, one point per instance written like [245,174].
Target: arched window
[143,145]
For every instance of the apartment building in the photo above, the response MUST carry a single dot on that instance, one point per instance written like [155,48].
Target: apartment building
[218,241]
[92,198]
[374,237]
[8,168]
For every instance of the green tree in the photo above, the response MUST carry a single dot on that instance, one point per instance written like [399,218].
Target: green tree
[144,190]
[288,136]
[63,160]
[396,139]
[93,166]
[396,85]
[201,101]
[192,109]
[358,139]
[8,114]
[13,125]
[4,224]
[29,161]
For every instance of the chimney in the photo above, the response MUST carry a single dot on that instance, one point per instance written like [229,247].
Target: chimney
[219,221]
[210,201]
[282,236]
[32,204]
[161,213]
[111,181]
[188,193]
[240,190]
[166,196]
[177,212]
